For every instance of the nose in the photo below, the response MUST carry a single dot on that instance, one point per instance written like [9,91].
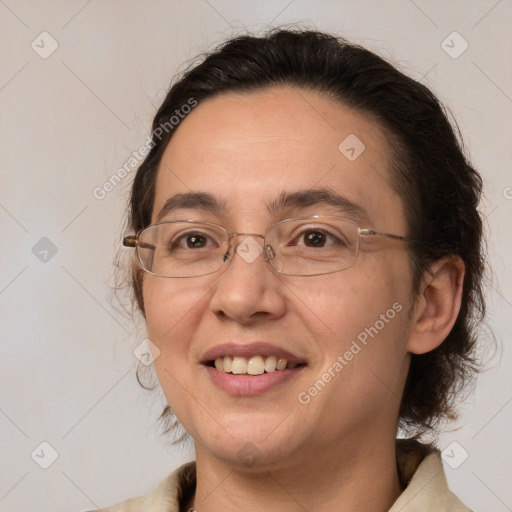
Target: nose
[250,289]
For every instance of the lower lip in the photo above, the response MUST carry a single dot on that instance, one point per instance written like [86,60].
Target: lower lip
[250,385]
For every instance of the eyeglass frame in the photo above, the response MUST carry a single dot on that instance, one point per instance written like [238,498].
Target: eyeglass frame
[133,241]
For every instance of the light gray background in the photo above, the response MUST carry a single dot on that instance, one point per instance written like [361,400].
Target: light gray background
[69,121]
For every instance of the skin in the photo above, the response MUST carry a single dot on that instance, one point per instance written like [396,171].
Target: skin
[337,452]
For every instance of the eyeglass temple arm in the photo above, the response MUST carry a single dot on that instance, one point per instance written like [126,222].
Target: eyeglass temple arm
[371,232]
[131,241]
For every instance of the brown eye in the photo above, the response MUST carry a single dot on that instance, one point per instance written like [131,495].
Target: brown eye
[195,241]
[314,239]
[191,240]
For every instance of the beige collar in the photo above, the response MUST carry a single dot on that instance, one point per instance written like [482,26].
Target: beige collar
[419,467]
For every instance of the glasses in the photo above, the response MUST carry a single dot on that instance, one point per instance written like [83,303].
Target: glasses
[304,246]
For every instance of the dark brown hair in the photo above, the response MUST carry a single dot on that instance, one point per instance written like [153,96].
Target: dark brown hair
[439,187]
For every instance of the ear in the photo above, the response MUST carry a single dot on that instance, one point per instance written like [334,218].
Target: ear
[437,305]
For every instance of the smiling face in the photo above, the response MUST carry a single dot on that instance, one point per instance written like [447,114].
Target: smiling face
[347,331]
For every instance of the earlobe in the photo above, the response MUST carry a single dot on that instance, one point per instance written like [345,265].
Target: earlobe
[437,305]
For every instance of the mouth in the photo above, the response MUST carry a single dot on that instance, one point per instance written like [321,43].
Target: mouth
[251,369]
[255,365]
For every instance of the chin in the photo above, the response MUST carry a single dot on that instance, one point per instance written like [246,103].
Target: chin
[249,443]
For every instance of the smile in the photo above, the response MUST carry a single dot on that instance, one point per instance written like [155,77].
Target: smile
[255,365]
[251,369]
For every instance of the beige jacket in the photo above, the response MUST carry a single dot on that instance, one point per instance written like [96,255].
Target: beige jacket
[420,469]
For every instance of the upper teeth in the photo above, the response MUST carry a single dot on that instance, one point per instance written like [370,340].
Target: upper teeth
[256,365]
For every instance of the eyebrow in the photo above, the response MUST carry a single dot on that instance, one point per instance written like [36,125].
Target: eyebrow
[286,201]
[202,201]
[317,197]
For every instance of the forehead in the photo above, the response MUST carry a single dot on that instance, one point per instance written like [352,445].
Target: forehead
[249,149]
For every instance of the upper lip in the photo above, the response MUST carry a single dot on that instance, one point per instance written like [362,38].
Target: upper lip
[248,350]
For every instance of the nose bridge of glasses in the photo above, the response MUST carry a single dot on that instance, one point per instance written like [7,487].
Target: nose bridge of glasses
[247,250]
[246,236]
[233,235]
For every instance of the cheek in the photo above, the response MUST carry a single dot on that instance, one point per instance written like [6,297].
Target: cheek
[345,304]
[170,311]
[359,320]
[359,327]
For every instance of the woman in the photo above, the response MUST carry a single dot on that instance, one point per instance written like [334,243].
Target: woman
[308,262]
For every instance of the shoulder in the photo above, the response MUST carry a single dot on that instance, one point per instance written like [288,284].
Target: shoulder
[165,497]
[424,479]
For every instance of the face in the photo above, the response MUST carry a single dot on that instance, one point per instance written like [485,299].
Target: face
[345,331]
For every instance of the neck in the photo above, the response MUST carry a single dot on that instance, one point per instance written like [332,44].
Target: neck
[345,479]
